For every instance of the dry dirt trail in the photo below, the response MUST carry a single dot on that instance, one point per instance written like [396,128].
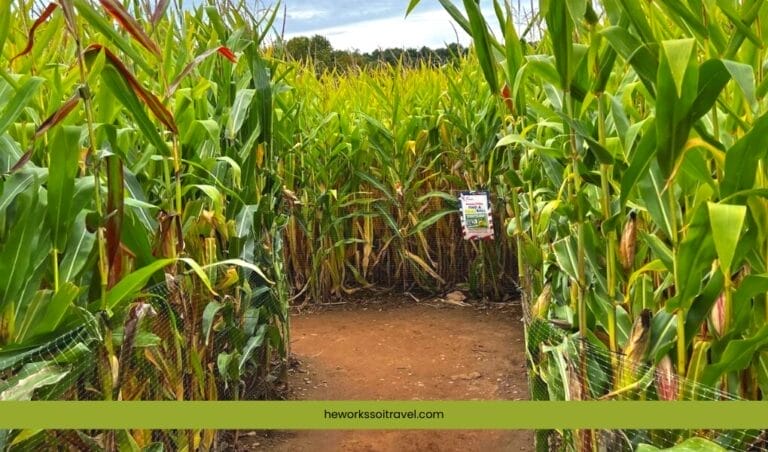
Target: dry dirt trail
[405,351]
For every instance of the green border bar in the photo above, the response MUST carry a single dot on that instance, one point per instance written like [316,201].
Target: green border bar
[501,415]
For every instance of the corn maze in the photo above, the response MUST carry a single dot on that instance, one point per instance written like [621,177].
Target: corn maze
[171,181]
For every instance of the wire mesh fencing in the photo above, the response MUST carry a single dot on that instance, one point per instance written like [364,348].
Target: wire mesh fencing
[174,342]
[564,367]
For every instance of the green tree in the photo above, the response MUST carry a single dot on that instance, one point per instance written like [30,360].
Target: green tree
[317,49]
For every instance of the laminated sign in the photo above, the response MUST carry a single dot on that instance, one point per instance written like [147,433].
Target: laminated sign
[476,219]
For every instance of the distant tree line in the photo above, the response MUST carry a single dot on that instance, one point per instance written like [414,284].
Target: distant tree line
[318,50]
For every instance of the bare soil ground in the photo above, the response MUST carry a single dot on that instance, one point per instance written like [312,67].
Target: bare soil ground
[403,350]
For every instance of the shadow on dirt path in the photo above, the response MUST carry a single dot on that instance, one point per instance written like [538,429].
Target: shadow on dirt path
[405,351]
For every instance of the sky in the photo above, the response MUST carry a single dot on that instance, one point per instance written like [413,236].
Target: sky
[368,25]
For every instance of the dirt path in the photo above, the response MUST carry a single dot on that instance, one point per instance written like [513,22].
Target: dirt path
[406,351]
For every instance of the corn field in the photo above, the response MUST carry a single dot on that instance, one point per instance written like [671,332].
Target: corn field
[140,245]
[634,138]
[373,163]
[171,182]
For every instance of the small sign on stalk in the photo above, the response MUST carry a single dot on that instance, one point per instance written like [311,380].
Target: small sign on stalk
[476,217]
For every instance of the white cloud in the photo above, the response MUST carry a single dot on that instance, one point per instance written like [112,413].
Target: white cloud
[427,28]
[306,14]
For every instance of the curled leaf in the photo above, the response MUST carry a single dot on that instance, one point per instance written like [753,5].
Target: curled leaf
[227,53]
[22,161]
[58,115]
[160,8]
[118,12]
[223,51]
[154,104]
[31,37]
[46,125]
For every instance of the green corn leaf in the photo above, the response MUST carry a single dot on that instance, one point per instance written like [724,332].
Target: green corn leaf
[634,10]
[15,106]
[663,334]
[100,23]
[128,98]
[743,28]
[47,317]
[483,43]
[741,159]
[16,253]
[680,13]
[727,221]
[636,53]
[128,287]
[18,183]
[694,257]
[209,315]
[565,252]
[514,59]
[713,76]
[678,55]
[135,191]
[243,101]
[200,272]
[737,355]
[577,9]
[762,371]
[456,15]
[412,4]
[560,28]
[78,250]
[751,286]
[745,20]
[244,265]
[244,221]
[5,21]
[659,248]
[427,222]
[606,62]
[697,363]
[676,84]
[744,77]
[656,199]
[64,159]
[133,283]
[253,343]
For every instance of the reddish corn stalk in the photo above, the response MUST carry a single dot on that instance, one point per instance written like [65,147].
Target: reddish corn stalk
[115,196]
